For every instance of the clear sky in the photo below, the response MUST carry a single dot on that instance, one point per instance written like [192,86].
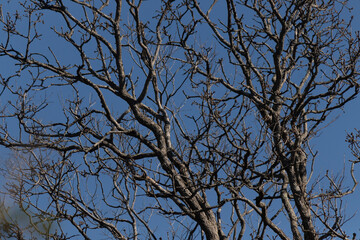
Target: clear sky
[330,143]
[333,150]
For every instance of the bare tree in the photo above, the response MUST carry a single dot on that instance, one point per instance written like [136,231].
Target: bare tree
[177,119]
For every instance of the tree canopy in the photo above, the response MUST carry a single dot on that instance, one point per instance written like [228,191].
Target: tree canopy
[181,119]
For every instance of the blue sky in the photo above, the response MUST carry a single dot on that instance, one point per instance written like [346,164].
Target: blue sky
[333,150]
[330,142]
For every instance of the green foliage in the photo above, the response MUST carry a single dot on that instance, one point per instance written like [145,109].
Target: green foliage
[19,222]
